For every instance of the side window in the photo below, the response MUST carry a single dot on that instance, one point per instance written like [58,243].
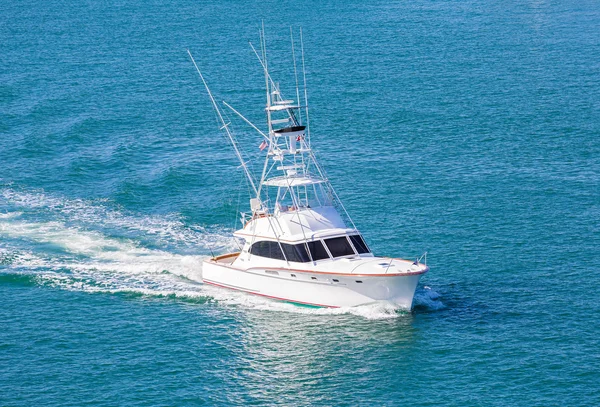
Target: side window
[293,252]
[317,250]
[339,246]
[359,244]
[267,249]
[296,252]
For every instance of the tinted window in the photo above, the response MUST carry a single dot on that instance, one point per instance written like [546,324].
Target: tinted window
[293,252]
[296,252]
[359,244]
[317,250]
[339,246]
[267,249]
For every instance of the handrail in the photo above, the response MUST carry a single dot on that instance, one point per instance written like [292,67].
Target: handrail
[424,255]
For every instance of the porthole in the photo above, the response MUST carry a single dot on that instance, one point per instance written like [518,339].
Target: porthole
[313,278]
[293,275]
[359,281]
[336,281]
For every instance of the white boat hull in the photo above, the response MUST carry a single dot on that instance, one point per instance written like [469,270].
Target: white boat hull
[315,288]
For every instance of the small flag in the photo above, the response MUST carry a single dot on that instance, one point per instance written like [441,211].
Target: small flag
[300,137]
[263,145]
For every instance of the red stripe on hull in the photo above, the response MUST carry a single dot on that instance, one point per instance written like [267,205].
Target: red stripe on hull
[269,296]
[325,273]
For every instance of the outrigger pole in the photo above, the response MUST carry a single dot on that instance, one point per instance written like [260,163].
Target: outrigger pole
[247,121]
[225,126]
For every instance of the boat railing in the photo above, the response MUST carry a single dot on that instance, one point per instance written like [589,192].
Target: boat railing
[423,257]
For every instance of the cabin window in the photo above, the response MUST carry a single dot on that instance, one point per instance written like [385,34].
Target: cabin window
[267,249]
[359,282]
[313,278]
[293,252]
[273,272]
[339,246]
[336,281]
[359,244]
[317,250]
[296,252]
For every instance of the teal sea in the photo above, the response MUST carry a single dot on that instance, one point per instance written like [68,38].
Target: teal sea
[470,130]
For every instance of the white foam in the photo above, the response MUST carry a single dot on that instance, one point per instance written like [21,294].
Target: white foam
[167,229]
[10,215]
[10,257]
[87,250]
[429,299]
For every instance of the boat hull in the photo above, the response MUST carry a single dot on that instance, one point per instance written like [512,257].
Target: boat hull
[314,288]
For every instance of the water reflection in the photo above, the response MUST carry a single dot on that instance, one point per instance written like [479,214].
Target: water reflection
[292,358]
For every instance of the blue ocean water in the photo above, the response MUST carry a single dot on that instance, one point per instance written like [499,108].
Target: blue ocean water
[469,130]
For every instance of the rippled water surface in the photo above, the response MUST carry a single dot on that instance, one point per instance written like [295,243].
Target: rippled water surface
[469,130]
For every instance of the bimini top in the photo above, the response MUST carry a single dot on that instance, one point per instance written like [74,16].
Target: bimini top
[283,106]
[287,181]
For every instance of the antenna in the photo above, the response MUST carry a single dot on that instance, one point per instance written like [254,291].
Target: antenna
[295,74]
[263,45]
[225,125]
[260,59]
[305,92]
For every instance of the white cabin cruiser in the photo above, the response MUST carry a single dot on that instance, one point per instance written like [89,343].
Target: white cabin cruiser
[299,244]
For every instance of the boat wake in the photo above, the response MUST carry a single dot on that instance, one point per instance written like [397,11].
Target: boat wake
[86,246]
